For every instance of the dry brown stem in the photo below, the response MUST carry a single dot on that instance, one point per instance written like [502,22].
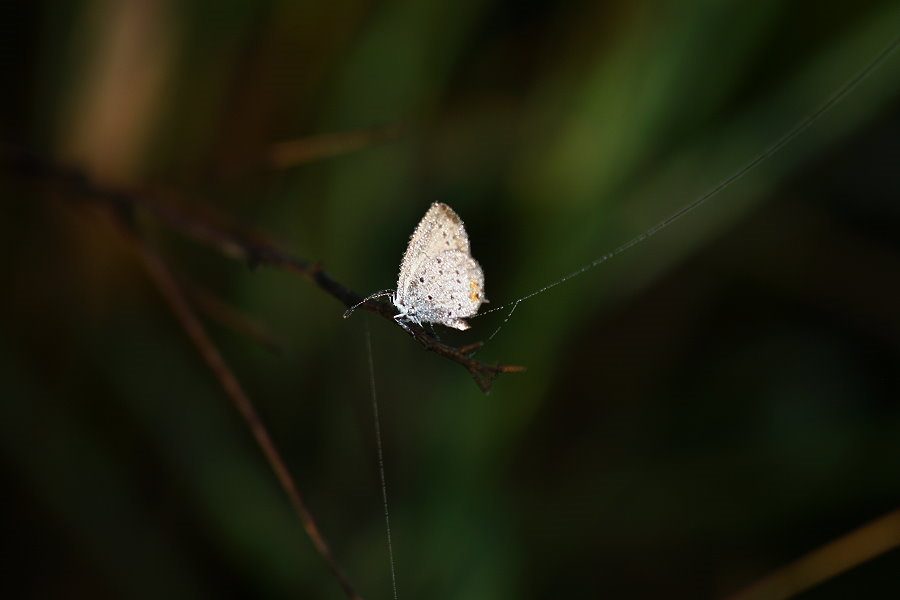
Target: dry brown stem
[168,286]
[254,249]
[826,562]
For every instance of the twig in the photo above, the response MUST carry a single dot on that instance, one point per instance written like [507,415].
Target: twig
[166,283]
[848,551]
[296,152]
[255,250]
[216,308]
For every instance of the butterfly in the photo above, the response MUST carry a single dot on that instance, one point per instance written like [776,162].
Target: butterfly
[439,281]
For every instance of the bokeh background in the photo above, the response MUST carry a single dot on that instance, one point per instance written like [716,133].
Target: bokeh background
[708,406]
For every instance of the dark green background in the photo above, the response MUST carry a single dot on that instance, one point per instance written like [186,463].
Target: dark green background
[708,406]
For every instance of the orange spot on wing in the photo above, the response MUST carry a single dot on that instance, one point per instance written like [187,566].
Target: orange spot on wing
[474,295]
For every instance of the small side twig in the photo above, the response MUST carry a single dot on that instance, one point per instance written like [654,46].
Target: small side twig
[296,152]
[483,373]
[216,309]
[165,281]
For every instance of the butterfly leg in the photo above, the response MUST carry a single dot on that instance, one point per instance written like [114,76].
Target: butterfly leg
[401,320]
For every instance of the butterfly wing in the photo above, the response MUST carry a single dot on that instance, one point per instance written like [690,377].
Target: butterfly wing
[446,289]
[440,229]
[439,280]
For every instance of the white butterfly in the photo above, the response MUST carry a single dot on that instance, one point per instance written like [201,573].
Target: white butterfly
[439,280]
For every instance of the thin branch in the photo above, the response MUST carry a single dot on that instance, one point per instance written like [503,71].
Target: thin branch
[165,281]
[255,250]
[855,548]
[295,152]
[218,310]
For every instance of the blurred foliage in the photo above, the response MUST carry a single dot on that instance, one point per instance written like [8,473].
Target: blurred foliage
[715,402]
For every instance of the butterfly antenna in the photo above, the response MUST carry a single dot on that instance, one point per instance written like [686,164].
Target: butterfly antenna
[350,310]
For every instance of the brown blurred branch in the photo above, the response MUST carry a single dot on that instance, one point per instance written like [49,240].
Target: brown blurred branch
[218,310]
[295,152]
[255,250]
[167,284]
[855,548]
